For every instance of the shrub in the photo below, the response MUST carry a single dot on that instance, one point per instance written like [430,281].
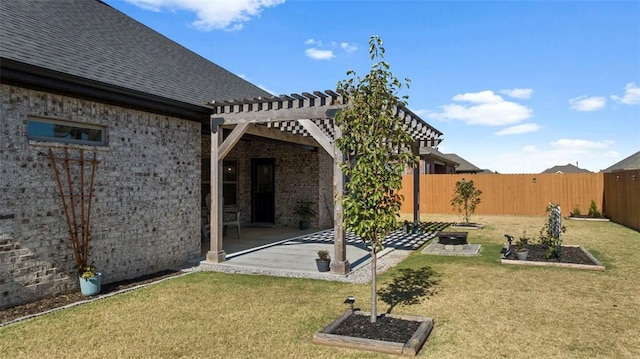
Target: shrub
[593,210]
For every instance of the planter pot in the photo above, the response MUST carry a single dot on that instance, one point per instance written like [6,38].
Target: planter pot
[303,225]
[522,255]
[91,286]
[323,266]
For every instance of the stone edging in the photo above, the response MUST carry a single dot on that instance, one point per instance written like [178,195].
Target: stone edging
[596,267]
[589,219]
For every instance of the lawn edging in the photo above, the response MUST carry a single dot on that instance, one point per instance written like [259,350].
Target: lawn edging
[410,348]
[595,267]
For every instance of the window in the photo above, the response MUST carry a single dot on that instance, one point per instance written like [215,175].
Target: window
[229,183]
[66,132]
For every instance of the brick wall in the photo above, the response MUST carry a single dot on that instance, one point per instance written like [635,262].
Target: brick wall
[301,174]
[145,215]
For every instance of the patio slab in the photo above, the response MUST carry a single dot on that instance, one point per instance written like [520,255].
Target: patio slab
[295,257]
[452,250]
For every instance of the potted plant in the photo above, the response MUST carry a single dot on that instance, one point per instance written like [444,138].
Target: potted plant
[90,280]
[304,210]
[323,261]
[521,247]
[77,209]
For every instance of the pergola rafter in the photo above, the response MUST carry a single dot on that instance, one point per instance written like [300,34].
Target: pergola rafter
[308,115]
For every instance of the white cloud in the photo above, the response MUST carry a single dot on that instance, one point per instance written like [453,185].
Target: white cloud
[586,104]
[577,145]
[631,95]
[348,47]
[591,155]
[518,93]
[318,54]
[213,14]
[485,108]
[478,97]
[319,50]
[421,112]
[313,42]
[519,129]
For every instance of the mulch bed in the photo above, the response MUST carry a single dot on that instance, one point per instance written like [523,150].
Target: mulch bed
[385,328]
[61,300]
[573,255]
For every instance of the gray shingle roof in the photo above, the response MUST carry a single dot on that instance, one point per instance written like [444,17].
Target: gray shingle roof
[568,168]
[91,40]
[630,163]
[465,166]
[435,154]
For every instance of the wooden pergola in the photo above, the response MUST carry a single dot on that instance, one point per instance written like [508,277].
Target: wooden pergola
[300,118]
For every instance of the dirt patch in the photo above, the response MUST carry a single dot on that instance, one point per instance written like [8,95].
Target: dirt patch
[573,255]
[62,300]
[385,328]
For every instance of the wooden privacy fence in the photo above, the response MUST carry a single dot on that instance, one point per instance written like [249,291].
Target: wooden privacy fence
[510,194]
[622,197]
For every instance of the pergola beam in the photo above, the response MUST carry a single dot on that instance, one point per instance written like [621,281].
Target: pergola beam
[285,114]
[276,134]
[318,135]
[231,140]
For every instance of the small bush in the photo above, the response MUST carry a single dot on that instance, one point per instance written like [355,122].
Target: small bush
[593,210]
[576,212]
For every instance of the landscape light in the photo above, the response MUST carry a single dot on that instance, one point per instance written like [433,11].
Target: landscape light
[350,300]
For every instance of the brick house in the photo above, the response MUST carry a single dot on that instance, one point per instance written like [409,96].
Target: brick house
[167,131]
[86,66]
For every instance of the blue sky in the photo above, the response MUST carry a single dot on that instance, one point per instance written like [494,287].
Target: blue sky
[515,86]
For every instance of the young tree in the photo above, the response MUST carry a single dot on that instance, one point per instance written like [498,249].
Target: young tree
[466,198]
[377,149]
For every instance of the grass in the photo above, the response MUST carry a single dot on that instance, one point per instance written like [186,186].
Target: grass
[482,309]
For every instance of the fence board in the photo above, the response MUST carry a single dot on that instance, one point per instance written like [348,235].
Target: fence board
[510,194]
[622,197]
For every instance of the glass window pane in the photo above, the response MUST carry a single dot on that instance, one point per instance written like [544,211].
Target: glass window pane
[229,193]
[229,171]
[63,131]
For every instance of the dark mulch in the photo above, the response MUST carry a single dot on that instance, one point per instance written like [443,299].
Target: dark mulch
[573,255]
[61,300]
[385,328]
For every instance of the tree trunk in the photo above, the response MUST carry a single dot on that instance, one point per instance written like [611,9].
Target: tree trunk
[374,293]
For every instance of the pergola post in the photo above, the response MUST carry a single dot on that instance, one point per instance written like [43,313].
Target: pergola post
[339,264]
[416,184]
[216,254]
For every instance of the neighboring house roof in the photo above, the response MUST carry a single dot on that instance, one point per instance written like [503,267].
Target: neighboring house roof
[465,166]
[630,163]
[568,168]
[433,153]
[96,46]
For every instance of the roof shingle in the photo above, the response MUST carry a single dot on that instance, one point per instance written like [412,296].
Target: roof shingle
[91,40]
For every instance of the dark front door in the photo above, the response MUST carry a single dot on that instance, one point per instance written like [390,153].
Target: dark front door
[263,204]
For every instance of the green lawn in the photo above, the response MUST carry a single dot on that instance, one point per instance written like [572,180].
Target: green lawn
[482,309]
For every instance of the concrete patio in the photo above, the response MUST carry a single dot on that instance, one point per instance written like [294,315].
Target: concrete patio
[285,251]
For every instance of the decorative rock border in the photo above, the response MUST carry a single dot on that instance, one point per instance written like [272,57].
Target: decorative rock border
[589,219]
[410,348]
[595,267]
[470,226]
[468,250]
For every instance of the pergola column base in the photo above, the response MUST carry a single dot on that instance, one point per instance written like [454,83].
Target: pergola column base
[216,257]
[338,267]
